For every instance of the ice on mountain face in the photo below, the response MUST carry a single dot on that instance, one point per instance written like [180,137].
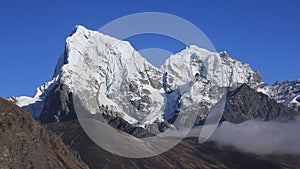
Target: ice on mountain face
[107,72]
[114,73]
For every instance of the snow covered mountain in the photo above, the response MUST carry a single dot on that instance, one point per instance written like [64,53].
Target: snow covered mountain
[287,93]
[112,75]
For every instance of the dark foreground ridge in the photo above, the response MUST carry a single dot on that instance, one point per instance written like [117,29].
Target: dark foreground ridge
[26,144]
[188,154]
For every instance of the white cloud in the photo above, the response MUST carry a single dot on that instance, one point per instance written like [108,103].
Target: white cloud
[261,137]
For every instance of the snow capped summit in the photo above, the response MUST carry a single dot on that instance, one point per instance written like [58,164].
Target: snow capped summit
[112,71]
[109,74]
[217,67]
[100,66]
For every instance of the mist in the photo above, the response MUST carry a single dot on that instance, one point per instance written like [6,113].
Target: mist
[261,137]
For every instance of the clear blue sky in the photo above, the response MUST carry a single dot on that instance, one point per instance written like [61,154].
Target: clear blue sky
[264,34]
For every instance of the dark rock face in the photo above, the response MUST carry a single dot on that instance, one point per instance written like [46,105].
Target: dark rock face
[187,154]
[245,103]
[26,144]
[58,105]
[124,126]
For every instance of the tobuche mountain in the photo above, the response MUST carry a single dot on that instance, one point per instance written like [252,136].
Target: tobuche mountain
[124,84]
[108,76]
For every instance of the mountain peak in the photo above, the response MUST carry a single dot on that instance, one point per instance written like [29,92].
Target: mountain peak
[120,80]
[78,28]
[218,67]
